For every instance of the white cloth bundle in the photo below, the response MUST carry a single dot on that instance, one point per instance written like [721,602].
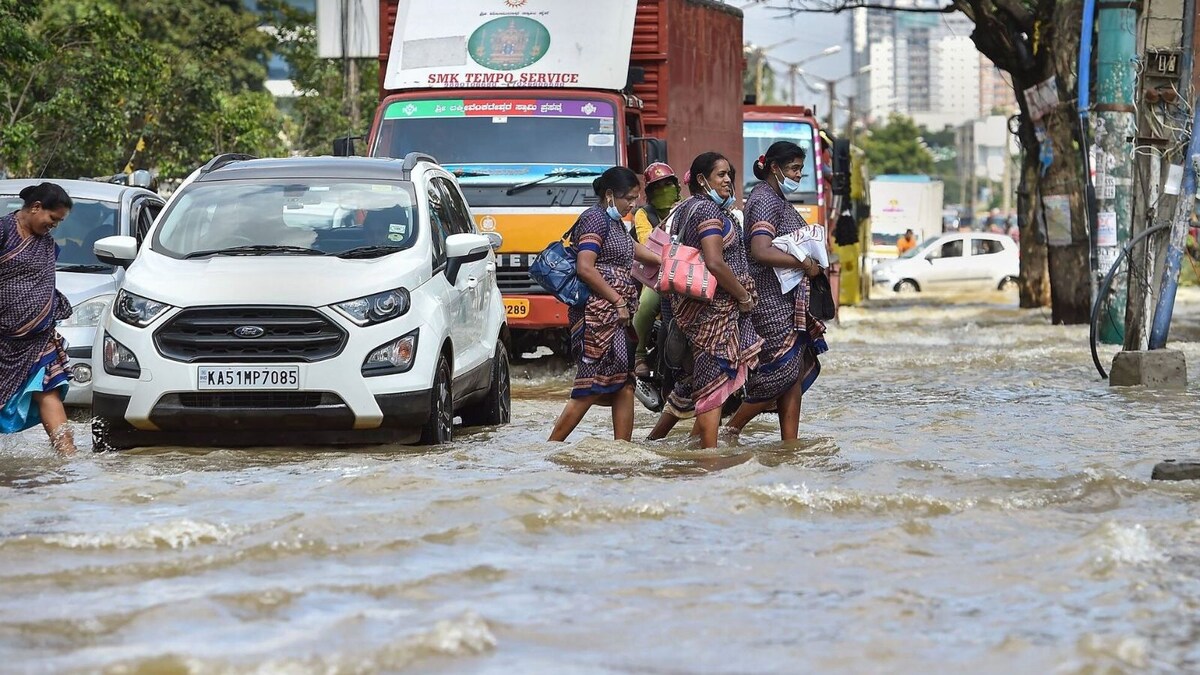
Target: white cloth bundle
[804,243]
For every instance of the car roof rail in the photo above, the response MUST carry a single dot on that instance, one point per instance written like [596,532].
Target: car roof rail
[411,159]
[224,159]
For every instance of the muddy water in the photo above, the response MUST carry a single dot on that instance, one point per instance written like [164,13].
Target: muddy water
[967,495]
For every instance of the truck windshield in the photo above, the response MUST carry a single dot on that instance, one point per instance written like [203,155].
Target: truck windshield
[293,217]
[758,136]
[503,141]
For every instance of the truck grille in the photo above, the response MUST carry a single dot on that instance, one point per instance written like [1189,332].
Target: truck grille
[512,274]
[285,334]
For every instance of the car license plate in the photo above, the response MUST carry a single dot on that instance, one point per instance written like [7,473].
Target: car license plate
[517,309]
[248,377]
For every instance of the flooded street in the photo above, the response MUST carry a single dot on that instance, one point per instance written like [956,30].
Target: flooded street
[967,495]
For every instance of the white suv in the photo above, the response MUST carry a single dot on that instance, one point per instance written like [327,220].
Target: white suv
[319,300]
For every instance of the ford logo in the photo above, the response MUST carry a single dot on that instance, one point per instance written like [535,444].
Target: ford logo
[249,332]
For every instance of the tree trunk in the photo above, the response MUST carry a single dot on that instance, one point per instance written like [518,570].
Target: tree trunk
[1035,276]
[1069,263]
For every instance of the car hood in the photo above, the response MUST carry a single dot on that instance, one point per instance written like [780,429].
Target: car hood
[80,286]
[269,280]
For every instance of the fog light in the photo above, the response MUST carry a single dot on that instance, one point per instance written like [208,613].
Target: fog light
[394,357]
[118,360]
[81,373]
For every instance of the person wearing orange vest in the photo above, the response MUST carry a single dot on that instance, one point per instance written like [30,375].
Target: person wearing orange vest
[905,243]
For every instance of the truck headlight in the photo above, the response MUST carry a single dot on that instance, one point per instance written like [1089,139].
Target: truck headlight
[375,308]
[136,310]
[87,313]
[393,357]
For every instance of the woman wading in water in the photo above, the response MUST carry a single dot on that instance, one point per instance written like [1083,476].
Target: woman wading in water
[33,358]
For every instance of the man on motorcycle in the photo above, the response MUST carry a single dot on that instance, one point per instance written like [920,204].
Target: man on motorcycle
[662,193]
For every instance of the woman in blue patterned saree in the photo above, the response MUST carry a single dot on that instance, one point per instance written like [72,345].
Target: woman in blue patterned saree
[33,358]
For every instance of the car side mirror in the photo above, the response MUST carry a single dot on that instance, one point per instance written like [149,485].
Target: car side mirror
[119,250]
[462,249]
[496,240]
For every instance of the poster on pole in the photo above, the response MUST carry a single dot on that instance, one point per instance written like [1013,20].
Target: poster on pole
[347,29]
[1056,210]
[1106,228]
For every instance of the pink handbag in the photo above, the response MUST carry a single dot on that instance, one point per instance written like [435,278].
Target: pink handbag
[684,273]
[648,274]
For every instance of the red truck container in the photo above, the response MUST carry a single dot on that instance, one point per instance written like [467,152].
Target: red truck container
[508,92]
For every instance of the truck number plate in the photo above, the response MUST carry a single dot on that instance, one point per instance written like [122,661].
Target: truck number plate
[517,309]
[248,377]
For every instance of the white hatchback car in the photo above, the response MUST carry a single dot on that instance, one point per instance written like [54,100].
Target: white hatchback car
[956,261]
[320,300]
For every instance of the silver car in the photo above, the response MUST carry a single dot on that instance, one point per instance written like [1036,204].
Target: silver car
[956,261]
[101,210]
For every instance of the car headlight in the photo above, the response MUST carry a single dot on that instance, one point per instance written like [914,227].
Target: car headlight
[393,357]
[375,308]
[118,360]
[136,310]
[87,313]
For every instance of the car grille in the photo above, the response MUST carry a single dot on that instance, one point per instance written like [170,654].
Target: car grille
[258,399]
[286,334]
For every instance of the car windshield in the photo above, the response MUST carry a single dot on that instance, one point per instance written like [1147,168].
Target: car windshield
[292,217]
[758,136]
[503,141]
[920,249]
[88,222]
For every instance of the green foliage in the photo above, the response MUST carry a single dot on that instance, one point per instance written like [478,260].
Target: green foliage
[323,110]
[86,79]
[895,148]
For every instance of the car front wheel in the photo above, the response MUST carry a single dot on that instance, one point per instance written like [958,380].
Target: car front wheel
[907,286]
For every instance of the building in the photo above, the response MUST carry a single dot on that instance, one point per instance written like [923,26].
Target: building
[922,65]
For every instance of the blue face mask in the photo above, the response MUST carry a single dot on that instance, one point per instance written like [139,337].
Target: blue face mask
[613,212]
[723,203]
[787,184]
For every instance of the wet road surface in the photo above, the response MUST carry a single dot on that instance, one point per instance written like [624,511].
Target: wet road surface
[966,495]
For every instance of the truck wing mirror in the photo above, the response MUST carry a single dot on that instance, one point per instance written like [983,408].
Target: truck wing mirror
[344,146]
[656,149]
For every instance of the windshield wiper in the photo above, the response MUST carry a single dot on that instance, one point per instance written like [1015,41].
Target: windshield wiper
[83,267]
[257,249]
[553,174]
[460,173]
[368,252]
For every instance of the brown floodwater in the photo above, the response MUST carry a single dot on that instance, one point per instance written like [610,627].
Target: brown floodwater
[966,495]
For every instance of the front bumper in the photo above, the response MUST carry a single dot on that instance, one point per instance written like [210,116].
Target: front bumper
[331,423]
[333,403]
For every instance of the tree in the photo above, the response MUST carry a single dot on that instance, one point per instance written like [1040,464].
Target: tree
[89,82]
[756,59]
[1036,42]
[323,110]
[895,148]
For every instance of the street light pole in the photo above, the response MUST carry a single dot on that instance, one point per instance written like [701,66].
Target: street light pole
[794,67]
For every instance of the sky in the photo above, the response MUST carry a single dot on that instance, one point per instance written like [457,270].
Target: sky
[764,26]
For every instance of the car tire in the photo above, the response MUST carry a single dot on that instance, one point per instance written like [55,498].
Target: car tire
[1007,283]
[496,409]
[907,286]
[439,427]
[107,438]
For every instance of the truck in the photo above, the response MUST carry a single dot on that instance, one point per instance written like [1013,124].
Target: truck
[900,203]
[527,101]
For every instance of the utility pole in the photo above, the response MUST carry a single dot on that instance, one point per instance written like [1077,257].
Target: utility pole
[1115,124]
[831,86]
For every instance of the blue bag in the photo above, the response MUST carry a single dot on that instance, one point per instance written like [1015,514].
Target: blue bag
[554,270]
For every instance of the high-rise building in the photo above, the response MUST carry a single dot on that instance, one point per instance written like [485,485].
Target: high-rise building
[923,65]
